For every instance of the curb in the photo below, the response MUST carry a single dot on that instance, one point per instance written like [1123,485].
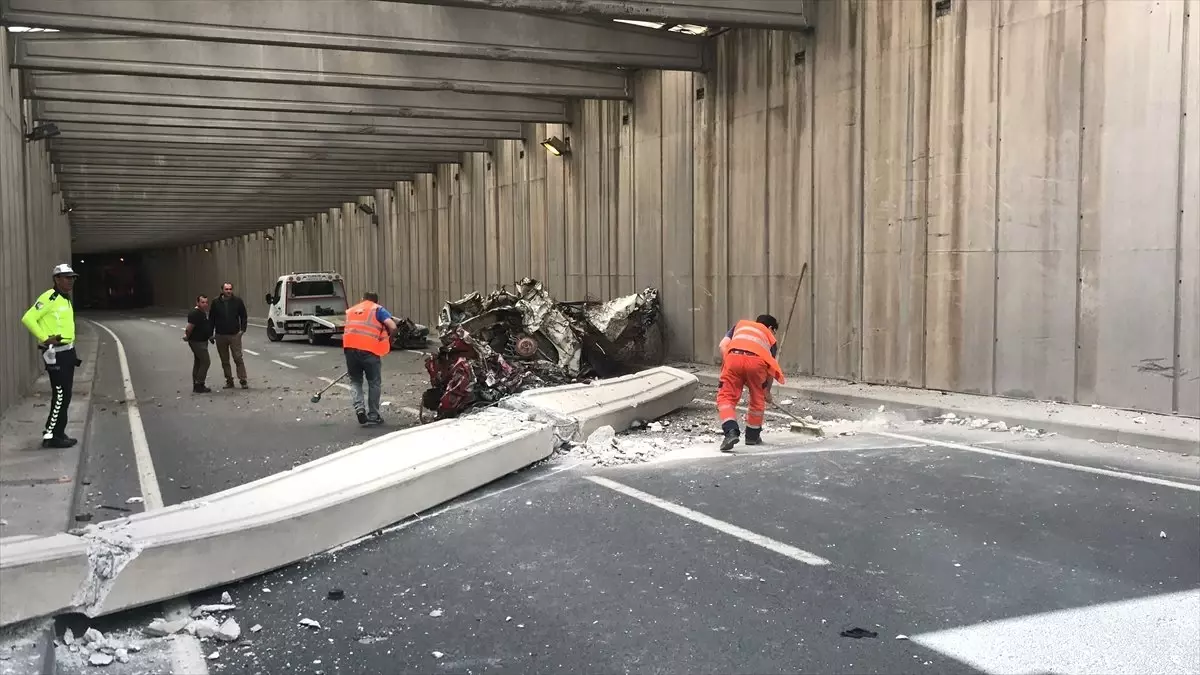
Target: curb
[912,412]
[85,401]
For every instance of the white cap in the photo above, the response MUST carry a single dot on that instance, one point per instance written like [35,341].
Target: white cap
[64,270]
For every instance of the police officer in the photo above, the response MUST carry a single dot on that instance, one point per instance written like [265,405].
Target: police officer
[52,322]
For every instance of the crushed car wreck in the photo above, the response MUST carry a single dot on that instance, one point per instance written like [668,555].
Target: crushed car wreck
[509,341]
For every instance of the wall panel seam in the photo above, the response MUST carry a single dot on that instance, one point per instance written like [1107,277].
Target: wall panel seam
[1180,190]
[1083,70]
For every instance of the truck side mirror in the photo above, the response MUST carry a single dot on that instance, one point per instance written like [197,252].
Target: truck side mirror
[270,299]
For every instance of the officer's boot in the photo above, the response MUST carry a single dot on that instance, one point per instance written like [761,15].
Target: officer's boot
[753,436]
[732,435]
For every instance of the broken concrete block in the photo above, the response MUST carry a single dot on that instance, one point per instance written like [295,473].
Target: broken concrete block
[68,637]
[92,635]
[229,631]
[203,628]
[122,655]
[310,623]
[99,659]
[209,609]
[163,628]
[226,598]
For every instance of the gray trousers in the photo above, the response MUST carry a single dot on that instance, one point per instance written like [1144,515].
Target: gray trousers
[362,365]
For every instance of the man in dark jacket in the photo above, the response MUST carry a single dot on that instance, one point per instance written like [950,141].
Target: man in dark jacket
[229,319]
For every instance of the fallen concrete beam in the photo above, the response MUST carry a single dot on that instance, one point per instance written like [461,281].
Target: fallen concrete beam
[281,519]
[151,115]
[174,91]
[372,26]
[310,65]
[790,14]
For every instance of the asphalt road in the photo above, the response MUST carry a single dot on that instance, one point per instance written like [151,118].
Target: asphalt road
[961,551]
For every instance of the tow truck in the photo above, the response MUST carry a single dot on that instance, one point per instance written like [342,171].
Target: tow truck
[313,305]
[307,304]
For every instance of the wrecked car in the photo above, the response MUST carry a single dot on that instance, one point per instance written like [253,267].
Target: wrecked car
[500,344]
[410,335]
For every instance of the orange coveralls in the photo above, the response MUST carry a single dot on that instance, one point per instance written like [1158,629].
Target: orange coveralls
[748,361]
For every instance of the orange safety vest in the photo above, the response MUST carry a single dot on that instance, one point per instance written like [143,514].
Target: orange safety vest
[364,330]
[753,337]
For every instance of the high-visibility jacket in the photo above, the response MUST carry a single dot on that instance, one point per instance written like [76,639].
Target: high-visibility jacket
[365,331]
[52,314]
[753,337]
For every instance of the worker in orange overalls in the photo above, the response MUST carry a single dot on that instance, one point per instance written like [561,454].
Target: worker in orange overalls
[366,340]
[748,354]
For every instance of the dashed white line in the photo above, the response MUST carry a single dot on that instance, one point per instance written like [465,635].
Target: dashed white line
[251,352]
[1039,460]
[732,530]
[285,364]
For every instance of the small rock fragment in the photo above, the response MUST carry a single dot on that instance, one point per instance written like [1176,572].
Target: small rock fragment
[1162,534]
[68,637]
[161,628]
[209,609]
[92,635]
[436,613]
[99,659]
[901,637]
[134,500]
[203,628]
[786,401]
[133,647]
[229,631]
[255,628]
[438,655]
[122,655]
[310,623]
[1139,420]
[214,656]
[226,598]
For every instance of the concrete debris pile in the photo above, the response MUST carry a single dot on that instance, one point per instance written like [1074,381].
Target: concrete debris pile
[96,649]
[980,423]
[506,342]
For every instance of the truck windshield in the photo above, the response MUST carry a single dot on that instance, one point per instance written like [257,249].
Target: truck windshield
[312,289]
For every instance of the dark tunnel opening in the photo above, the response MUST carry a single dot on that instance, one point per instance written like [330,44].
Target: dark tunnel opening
[112,281]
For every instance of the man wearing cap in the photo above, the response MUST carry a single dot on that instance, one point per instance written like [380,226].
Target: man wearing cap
[52,322]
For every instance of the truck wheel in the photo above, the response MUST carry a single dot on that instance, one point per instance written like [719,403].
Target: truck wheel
[317,340]
[271,334]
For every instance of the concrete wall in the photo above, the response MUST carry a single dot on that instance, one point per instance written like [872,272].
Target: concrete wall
[33,235]
[1000,199]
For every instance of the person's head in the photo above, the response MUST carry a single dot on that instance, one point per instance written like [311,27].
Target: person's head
[768,321]
[202,303]
[373,297]
[64,278]
[227,290]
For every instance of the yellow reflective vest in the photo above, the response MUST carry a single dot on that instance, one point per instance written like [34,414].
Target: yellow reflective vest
[52,314]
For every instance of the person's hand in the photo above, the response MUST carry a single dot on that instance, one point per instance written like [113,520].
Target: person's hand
[54,339]
[770,398]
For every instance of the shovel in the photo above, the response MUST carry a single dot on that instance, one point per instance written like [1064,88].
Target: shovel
[317,396]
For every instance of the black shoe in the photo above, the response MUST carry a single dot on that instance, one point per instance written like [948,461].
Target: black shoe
[201,389]
[229,384]
[362,416]
[374,419]
[753,439]
[59,442]
[731,439]
[245,385]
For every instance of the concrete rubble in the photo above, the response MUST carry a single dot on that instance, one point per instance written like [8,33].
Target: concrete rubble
[507,342]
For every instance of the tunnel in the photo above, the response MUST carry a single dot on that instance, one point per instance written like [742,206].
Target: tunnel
[987,206]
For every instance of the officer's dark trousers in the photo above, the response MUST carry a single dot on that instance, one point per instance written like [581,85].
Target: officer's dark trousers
[62,378]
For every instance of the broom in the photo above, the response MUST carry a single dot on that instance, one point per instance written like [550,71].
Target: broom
[797,426]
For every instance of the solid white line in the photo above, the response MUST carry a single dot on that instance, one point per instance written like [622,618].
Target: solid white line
[147,478]
[303,356]
[733,530]
[186,656]
[1045,462]
[257,325]
[251,352]
[452,507]
[285,364]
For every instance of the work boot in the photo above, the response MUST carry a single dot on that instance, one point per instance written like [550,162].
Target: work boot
[362,416]
[200,389]
[753,436]
[59,442]
[245,385]
[374,419]
[732,436]
[229,383]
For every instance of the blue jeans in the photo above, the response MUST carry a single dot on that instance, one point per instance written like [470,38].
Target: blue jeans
[358,365]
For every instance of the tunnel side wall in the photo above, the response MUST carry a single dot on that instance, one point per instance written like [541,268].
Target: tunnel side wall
[1001,199]
[34,235]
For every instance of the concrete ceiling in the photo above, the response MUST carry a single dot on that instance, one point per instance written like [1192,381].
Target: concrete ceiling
[186,122]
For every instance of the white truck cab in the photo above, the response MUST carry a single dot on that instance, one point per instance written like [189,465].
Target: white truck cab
[307,304]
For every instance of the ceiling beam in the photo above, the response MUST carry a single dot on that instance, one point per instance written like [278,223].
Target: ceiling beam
[169,152]
[67,172]
[269,185]
[371,25]
[297,98]
[120,133]
[781,14]
[310,65]
[172,116]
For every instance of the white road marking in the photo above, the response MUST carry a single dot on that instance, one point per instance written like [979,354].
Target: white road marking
[257,325]
[251,352]
[285,364]
[316,353]
[1039,460]
[302,356]
[174,326]
[186,656]
[773,545]
[452,507]
[330,381]
[147,478]
[1157,634]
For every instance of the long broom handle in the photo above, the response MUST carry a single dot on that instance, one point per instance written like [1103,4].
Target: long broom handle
[788,326]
